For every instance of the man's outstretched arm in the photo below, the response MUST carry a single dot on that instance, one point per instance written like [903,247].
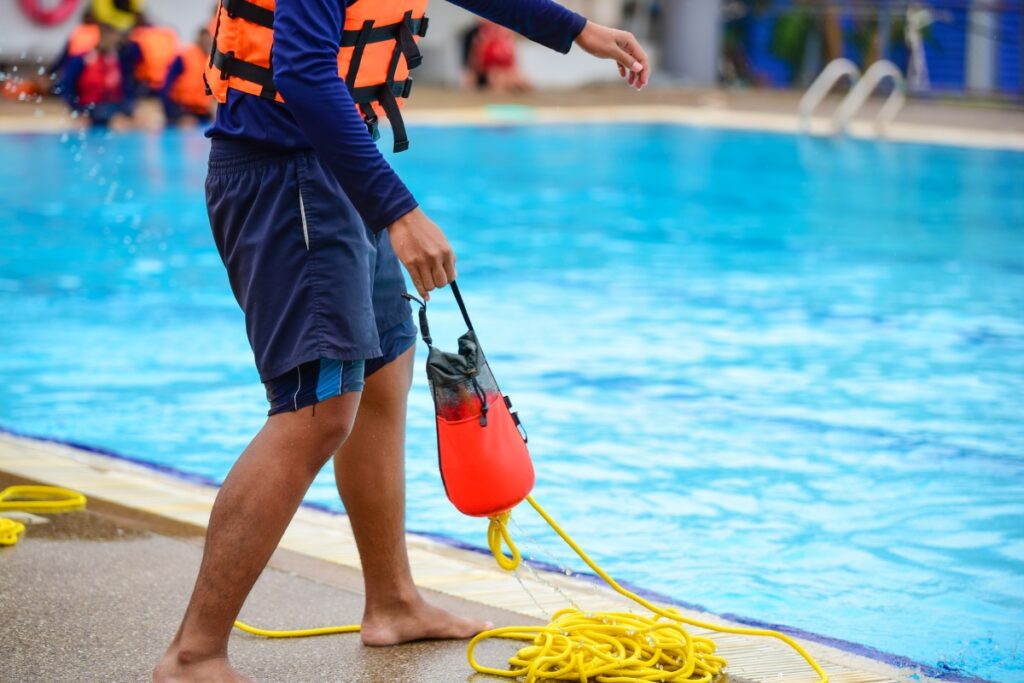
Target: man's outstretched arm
[548,23]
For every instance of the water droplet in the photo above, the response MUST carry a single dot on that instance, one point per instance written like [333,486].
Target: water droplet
[41,71]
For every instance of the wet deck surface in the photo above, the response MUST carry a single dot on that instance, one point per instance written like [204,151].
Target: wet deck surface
[96,596]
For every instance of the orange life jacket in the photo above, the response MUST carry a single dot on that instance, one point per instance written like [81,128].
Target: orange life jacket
[377,48]
[84,38]
[159,47]
[189,90]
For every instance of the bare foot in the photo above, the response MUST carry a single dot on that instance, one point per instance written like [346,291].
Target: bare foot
[418,621]
[212,670]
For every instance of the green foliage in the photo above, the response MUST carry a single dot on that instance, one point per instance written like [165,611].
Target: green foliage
[789,36]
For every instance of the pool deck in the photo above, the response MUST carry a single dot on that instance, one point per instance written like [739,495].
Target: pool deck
[100,592]
[928,120]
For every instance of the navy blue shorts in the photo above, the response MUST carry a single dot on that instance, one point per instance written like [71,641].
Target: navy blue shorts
[319,380]
[314,283]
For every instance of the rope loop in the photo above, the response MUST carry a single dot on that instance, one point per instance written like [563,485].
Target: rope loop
[498,534]
[36,499]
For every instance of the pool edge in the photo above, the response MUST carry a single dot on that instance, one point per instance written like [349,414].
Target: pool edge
[184,497]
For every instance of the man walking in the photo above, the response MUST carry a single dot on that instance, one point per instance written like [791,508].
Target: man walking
[312,223]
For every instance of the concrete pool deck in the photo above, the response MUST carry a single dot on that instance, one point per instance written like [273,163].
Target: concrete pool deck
[98,593]
[930,120]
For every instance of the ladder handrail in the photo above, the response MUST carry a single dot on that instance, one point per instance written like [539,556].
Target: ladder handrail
[860,93]
[835,71]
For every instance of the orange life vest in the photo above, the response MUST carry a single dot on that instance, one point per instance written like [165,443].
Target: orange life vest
[189,90]
[377,48]
[159,47]
[84,38]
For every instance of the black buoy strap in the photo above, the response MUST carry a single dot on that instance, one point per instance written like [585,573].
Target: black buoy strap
[462,305]
[424,327]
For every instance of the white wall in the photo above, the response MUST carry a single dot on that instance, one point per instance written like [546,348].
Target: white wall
[20,39]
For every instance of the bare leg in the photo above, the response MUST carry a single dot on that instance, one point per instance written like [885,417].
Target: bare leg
[370,469]
[252,511]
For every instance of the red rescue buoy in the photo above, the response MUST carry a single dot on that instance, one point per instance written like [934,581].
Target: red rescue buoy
[485,464]
[49,13]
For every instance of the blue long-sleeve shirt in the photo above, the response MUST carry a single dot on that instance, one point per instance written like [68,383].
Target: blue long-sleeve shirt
[319,112]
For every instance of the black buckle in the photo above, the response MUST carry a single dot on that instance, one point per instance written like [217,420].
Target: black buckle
[372,122]
[224,61]
[401,88]
[421,30]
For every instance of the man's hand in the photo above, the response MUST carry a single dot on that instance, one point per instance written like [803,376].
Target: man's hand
[424,251]
[611,43]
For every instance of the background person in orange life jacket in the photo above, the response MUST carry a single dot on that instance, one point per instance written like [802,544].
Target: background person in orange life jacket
[184,95]
[93,83]
[83,38]
[150,51]
[313,226]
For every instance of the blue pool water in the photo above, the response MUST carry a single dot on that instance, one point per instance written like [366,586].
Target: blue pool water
[777,377]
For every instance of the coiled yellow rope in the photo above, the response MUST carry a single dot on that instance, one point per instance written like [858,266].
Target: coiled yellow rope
[606,647]
[37,499]
[609,647]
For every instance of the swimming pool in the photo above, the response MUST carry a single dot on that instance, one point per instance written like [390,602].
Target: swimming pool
[773,376]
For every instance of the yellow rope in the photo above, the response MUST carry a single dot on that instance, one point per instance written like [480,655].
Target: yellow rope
[610,647]
[10,531]
[37,499]
[297,633]
[606,647]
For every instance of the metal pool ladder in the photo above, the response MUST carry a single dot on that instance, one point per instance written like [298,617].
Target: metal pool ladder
[863,87]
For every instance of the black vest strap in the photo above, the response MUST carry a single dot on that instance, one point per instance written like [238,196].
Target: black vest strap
[462,305]
[362,38]
[408,44]
[230,66]
[370,119]
[261,16]
[380,34]
[402,33]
